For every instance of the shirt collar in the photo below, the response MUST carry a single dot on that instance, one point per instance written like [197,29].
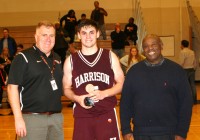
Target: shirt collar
[41,53]
[154,65]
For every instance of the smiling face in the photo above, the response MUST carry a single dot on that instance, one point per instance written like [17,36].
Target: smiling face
[152,46]
[88,35]
[45,39]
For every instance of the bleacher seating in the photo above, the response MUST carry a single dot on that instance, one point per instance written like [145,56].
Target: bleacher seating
[25,35]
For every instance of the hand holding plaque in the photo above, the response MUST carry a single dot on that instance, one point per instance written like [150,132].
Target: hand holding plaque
[90,88]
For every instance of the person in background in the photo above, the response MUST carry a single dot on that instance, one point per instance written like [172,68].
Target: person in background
[35,88]
[188,62]
[61,44]
[131,31]
[118,42]
[156,97]
[3,77]
[98,15]
[8,42]
[6,59]
[20,47]
[83,17]
[132,58]
[92,78]
[70,24]
[5,62]
[118,39]
[2,83]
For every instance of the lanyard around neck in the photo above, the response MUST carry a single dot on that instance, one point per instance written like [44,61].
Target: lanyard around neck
[53,67]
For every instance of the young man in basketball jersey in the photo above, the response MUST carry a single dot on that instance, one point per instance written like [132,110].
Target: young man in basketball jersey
[94,73]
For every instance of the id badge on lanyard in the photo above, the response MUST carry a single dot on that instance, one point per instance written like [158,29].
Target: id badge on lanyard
[53,84]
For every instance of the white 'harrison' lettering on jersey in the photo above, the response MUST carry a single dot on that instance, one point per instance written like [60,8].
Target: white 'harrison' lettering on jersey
[92,76]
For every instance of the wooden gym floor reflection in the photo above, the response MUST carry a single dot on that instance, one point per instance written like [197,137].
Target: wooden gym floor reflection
[7,129]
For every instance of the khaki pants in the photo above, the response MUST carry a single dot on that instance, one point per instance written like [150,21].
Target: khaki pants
[44,127]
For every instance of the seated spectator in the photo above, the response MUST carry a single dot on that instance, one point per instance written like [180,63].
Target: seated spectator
[132,58]
[83,17]
[131,31]
[5,62]
[8,42]
[118,38]
[3,78]
[61,44]
[20,48]
[6,59]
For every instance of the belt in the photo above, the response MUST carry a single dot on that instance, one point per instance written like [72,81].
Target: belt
[40,113]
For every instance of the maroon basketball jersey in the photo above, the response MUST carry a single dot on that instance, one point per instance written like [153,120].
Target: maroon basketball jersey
[93,69]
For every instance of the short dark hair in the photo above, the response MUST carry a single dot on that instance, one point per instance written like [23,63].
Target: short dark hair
[5,29]
[20,46]
[87,22]
[83,15]
[71,12]
[96,1]
[185,43]
[154,37]
[131,19]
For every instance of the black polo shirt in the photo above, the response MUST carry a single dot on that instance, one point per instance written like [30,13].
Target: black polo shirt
[32,74]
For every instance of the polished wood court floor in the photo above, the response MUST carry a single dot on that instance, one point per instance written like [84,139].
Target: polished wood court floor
[7,130]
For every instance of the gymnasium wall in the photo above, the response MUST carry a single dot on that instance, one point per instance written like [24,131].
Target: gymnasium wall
[23,12]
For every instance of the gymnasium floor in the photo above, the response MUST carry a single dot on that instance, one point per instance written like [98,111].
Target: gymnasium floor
[7,131]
